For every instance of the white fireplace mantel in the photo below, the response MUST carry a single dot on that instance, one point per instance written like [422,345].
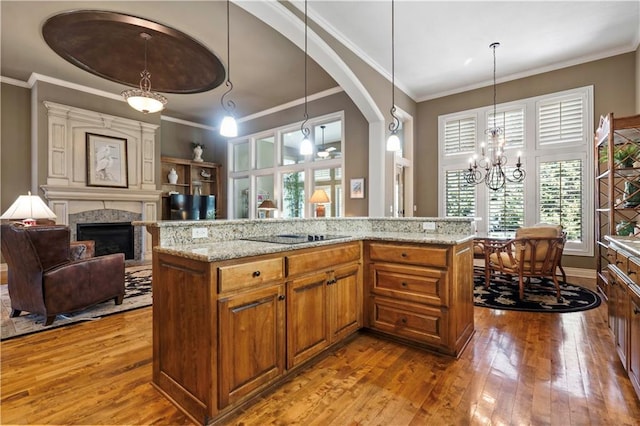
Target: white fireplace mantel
[56,193]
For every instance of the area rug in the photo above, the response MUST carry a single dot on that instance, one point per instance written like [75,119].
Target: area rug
[137,295]
[539,296]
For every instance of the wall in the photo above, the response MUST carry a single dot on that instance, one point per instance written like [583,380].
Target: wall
[15,143]
[176,142]
[638,80]
[612,79]
[356,131]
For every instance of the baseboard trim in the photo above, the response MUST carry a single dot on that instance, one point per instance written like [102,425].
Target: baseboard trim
[580,272]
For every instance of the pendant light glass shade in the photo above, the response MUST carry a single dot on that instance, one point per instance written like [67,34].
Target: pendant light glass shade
[229,127]
[143,99]
[306,147]
[393,142]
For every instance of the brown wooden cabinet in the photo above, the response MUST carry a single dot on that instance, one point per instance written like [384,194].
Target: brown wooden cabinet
[421,293]
[624,310]
[617,186]
[324,299]
[251,330]
[194,178]
[634,339]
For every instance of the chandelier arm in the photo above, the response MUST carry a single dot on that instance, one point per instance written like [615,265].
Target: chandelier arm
[228,105]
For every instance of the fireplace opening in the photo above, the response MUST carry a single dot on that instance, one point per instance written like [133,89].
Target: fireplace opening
[109,237]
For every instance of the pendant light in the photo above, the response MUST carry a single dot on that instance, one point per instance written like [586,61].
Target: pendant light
[493,160]
[393,142]
[228,127]
[323,153]
[143,99]
[306,148]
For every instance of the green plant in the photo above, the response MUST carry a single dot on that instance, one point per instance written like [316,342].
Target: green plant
[623,155]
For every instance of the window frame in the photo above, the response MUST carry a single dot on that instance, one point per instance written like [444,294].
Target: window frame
[533,154]
[308,166]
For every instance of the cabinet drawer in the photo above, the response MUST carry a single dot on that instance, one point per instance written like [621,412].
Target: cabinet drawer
[409,320]
[319,259]
[249,274]
[633,269]
[622,261]
[426,256]
[611,255]
[424,285]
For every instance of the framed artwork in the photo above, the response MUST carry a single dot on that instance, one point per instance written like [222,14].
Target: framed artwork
[106,161]
[357,188]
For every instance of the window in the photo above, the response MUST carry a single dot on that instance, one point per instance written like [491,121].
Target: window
[553,134]
[269,166]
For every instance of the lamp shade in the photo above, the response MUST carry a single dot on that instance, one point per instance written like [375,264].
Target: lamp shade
[319,196]
[28,207]
[267,205]
[146,102]
[393,143]
[229,127]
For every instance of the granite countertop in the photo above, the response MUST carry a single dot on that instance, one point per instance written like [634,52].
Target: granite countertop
[630,244]
[235,249]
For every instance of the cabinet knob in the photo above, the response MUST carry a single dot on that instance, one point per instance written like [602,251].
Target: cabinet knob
[281,297]
[404,320]
[404,255]
[403,284]
[256,274]
[636,311]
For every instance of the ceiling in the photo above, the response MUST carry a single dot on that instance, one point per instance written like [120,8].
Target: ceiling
[441,47]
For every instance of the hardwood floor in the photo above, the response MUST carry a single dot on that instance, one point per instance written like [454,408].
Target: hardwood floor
[520,368]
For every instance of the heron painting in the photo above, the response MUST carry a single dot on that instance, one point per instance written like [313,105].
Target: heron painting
[106,161]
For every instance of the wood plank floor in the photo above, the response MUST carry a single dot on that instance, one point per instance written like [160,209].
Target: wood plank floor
[520,368]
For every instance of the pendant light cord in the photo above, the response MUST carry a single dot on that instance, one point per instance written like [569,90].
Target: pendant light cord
[395,123]
[305,131]
[228,105]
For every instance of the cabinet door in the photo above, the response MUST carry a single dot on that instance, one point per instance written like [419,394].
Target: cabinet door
[345,301]
[621,319]
[251,332]
[307,319]
[634,341]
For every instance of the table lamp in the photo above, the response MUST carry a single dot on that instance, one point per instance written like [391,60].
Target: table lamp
[318,198]
[268,206]
[28,208]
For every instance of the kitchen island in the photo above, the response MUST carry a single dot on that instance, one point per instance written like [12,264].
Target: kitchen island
[233,317]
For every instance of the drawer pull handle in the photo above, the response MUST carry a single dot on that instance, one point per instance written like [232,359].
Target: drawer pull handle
[256,274]
[281,297]
[631,272]
[404,255]
[618,262]
[403,284]
[636,311]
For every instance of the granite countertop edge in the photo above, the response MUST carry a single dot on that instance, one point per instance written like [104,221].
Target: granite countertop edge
[236,249]
[631,244]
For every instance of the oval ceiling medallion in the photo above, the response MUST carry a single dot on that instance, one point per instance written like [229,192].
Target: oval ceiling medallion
[108,44]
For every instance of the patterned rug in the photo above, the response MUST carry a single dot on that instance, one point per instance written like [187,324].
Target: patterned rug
[137,295]
[539,296]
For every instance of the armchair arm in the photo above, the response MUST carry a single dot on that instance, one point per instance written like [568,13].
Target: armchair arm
[83,283]
[500,254]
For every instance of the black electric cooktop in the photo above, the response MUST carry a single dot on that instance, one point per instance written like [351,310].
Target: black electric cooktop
[294,238]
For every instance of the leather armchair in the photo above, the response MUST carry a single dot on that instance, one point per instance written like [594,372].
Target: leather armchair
[48,277]
[535,252]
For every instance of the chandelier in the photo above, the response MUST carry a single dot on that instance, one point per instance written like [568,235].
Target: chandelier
[143,99]
[492,159]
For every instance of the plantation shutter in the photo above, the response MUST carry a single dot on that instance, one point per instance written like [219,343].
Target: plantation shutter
[506,206]
[460,136]
[560,189]
[512,122]
[561,121]
[460,196]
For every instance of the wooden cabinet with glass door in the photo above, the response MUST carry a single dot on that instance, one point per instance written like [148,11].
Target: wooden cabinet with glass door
[617,186]
[186,177]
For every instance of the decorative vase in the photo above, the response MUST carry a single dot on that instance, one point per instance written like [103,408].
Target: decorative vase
[173,176]
[624,228]
[197,153]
